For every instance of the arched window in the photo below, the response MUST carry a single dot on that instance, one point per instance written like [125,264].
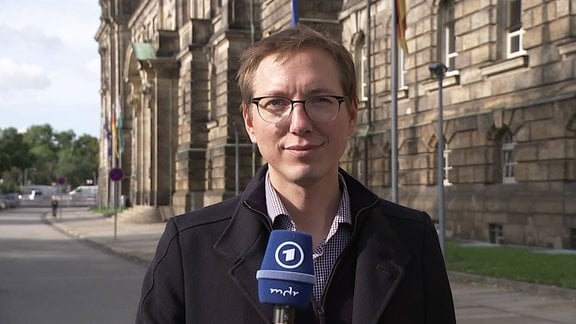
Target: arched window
[361,61]
[507,162]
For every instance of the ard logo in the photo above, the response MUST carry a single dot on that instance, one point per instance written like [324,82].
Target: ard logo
[289,255]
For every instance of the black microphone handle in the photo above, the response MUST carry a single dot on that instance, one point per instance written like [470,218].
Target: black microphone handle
[283,314]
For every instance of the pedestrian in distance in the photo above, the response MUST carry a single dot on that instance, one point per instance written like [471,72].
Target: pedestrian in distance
[54,204]
[374,261]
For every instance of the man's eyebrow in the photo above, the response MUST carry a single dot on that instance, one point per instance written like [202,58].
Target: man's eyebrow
[320,91]
[309,93]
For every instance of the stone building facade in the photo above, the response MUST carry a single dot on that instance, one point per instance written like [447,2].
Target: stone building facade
[508,106]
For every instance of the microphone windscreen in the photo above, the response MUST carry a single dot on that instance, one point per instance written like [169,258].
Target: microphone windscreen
[286,276]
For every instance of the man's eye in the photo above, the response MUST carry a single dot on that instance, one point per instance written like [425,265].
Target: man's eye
[320,101]
[276,103]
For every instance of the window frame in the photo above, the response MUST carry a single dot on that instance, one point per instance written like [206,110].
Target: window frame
[448,35]
[360,47]
[514,31]
[447,166]
[364,72]
[401,69]
[507,161]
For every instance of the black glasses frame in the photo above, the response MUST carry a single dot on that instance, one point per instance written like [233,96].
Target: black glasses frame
[339,99]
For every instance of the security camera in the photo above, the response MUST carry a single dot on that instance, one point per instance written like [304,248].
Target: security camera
[437,68]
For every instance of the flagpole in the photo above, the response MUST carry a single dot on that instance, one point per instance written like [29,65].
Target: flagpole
[394,105]
[295,14]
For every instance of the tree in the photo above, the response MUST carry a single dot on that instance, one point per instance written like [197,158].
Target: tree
[14,157]
[79,161]
[42,156]
[14,152]
[42,142]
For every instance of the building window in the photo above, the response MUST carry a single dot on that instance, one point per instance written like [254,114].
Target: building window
[496,233]
[573,238]
[401,68]
[514,30]
[507,162]
[447,166]
[365,74]
[448,34]
[363,69]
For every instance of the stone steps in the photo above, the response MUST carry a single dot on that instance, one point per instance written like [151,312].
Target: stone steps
[140,214]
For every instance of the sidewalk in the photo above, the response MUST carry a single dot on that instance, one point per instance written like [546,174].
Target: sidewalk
[477,299]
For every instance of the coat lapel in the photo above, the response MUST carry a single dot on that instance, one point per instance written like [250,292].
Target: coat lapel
[244,243]
[379,269]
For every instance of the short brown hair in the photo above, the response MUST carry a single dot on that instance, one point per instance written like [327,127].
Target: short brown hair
[287,41]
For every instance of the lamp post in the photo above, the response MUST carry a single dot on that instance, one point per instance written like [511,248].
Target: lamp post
[439,69]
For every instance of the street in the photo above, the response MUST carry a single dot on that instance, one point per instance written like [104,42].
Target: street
[47,277]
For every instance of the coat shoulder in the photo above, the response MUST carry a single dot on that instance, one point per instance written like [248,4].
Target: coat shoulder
[400,213]
[219,213]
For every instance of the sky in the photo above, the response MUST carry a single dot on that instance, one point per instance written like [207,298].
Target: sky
[49,65]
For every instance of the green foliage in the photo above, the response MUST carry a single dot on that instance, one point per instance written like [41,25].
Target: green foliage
[41,156]
[79,160]
[14,152]
[514,263]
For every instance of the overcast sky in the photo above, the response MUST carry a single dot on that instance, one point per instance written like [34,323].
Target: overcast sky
[49,65]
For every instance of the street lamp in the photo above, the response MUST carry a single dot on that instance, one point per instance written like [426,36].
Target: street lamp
[439,69]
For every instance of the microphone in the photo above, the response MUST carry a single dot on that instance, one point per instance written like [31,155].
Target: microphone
[286,276]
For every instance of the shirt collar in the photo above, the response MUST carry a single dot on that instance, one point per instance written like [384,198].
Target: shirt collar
[275,207]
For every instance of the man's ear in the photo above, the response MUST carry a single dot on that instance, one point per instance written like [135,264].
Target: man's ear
[248,122]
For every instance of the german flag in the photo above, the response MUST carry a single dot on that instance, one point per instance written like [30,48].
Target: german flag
[401,21]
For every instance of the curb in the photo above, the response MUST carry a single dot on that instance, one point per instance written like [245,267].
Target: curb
[461,277]
[103,247]
[527,287]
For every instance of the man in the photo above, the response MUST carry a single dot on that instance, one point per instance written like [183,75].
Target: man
[374,261]
[54,204]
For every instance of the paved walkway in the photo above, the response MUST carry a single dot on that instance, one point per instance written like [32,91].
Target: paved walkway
[477,299]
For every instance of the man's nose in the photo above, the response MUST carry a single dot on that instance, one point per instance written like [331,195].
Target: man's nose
[299,120]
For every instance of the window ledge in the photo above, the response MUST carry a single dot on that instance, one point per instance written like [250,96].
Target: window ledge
[402,94]
[452,78]
[567,49]
[211,124]
[509,180]
[508,65]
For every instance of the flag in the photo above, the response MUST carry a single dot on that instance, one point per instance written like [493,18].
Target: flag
[107,135]
[295,17]
[114,129]
[117,124]
[401,24]
[120,123]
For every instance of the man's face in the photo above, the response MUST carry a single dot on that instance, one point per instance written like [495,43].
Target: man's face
[298,149]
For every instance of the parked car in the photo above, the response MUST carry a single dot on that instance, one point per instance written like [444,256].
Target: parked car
[9,200]
[13,199]
[85,191]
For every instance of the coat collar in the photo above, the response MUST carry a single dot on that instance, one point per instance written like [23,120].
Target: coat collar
[381,257]
[244,241]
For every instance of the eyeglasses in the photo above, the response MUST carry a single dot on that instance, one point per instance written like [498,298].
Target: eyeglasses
[320,109]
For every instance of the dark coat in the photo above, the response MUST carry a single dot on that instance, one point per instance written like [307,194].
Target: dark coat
[204,270]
